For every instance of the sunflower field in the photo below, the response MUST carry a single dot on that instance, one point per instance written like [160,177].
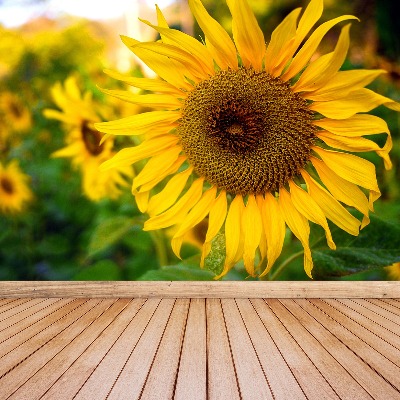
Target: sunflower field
[243,140]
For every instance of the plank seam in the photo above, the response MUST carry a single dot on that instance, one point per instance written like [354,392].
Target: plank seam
[71,340]
[230,350]
[279,350]
[130,354]
[362,359]
[255,351]
[110,348]
[155,353]
[375,334]
[19,312]
[298,344]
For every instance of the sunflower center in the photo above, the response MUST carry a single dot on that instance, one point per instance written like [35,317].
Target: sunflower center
[246,131]
[6,185]
[91,138]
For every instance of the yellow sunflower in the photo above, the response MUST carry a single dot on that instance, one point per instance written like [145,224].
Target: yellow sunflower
[15,114]
[393,271]
[14,189]
[84,145]
[253,136]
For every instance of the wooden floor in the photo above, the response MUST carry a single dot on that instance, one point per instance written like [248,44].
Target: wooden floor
[196,348]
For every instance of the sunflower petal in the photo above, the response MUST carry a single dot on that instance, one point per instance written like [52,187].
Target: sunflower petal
[162,175]
[344,82]
[155,85]
[142,200]
[195,216]
[168,69]
[156,166]
[252,229]
[357,144]
[218,41]
[309,47]
[320,71]
[177,213]
[277,47]
[249,41]
[140,124]
[198,212]
[352,168]
[355,126]
[157,101]
[361,100]
[144,150]
[174,53]
[298,224]
[172,190]
[331,207]
[342,190]
[307,206]
[274,228]
[188,44]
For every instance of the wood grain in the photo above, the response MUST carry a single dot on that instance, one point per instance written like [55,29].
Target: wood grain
[193,289]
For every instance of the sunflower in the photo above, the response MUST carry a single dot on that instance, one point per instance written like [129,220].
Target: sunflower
[254,136]
[14,189]
[84,145]
[16,116]
[393,271]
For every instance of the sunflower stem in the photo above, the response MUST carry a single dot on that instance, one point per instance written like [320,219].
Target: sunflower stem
[284,264]
[161,250]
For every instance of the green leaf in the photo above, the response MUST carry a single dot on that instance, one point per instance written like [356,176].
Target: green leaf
[215,260]
[109,232]
[377,246]
[187,270]
[104,270]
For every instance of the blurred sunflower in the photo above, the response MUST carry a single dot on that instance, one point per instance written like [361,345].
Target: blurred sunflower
[14,189]
[83,141]
[393,271]
[15,114]
[246,131]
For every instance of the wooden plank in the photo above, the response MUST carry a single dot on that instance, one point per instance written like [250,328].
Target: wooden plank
[12,303]
[394,317]
[24,311]
[222,381]
[35,319]
[160,383]
[133,375]
[100,382]
[35,335]
[17,376]
[371,357]
[318,344]
[6,314]
[192,374]
[393,310]
[365,325]
[251,377]
[70,382]
[298,361]
[193,289]
[360,309]
[40,382]
[282,382]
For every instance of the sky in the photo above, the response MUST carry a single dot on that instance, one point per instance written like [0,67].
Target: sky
[16,12]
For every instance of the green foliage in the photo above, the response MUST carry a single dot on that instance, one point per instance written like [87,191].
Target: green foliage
[187,270]
[377,246]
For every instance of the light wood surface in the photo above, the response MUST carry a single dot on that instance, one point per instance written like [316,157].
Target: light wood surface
[199,348]
[193,289]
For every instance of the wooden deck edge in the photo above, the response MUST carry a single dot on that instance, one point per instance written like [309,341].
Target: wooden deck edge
[195,289]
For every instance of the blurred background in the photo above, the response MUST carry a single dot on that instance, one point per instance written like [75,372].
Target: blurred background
[62,220]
